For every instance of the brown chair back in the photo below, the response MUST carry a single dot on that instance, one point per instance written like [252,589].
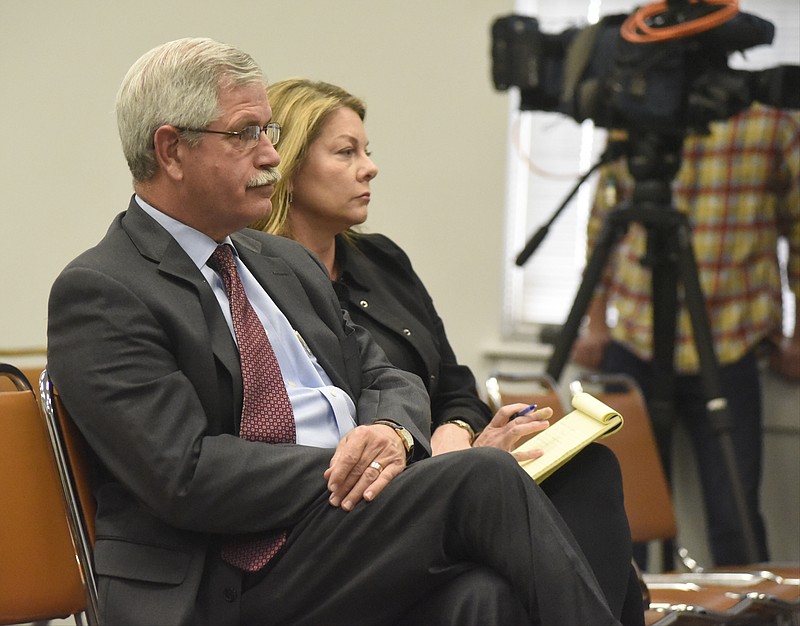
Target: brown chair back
[40,576]
[648,501]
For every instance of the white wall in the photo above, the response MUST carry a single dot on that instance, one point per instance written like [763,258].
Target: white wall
[436,125]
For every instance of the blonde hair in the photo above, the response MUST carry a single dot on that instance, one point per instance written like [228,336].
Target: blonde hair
[301,107]
[176,83]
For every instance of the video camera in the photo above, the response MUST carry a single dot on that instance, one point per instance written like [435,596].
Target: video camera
[667,73]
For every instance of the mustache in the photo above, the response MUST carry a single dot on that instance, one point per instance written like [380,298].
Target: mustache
[264,177]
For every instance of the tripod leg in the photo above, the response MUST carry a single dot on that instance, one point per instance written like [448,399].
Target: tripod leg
[717,406]
[661,259]
[612,230]
[661,403]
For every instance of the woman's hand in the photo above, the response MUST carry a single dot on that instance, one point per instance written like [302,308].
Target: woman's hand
[506,433]
[502,432]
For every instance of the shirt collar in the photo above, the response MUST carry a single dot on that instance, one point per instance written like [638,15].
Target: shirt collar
[197,245]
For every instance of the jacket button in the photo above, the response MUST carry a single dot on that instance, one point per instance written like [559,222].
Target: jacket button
[230,594]
[364,304]
[406,332]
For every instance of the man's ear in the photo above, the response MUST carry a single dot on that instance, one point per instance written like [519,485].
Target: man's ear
[168,153]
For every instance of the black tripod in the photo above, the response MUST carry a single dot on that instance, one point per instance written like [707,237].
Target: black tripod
[653,160]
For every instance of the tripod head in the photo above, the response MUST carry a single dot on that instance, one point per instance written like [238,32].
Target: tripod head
[653,160]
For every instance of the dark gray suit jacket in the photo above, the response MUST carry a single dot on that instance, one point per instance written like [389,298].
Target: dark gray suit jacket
[146,365]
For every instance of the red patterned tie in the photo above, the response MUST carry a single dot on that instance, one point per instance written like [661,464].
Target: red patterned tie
[266,411]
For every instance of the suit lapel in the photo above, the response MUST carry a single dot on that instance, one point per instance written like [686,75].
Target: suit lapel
[158,245]
[282,284]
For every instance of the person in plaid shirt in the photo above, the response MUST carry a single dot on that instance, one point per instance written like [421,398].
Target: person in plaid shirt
[740,188]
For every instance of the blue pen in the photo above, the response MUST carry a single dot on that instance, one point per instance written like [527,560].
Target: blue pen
[524,411]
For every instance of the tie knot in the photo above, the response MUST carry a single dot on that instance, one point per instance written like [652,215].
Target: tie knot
[221,260]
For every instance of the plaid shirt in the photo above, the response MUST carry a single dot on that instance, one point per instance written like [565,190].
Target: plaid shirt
[740,187]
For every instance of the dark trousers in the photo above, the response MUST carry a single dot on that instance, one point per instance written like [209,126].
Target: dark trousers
[477,597]
[587,492]
[741,386]
[443,517]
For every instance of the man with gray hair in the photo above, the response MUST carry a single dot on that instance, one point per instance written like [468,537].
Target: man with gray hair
[257,459]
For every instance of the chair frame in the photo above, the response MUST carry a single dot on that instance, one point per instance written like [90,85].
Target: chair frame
[548,388]
[16,376]
[56,422]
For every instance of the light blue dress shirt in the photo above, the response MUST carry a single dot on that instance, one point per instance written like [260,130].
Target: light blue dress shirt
[323,413]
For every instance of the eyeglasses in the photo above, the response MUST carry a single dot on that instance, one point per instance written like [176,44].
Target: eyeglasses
[249,136]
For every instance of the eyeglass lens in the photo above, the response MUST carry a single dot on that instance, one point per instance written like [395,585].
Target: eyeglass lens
[250,135]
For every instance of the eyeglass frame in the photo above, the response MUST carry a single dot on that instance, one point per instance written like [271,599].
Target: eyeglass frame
[274,126]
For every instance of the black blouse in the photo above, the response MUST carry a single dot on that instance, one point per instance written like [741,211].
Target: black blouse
[382,293]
